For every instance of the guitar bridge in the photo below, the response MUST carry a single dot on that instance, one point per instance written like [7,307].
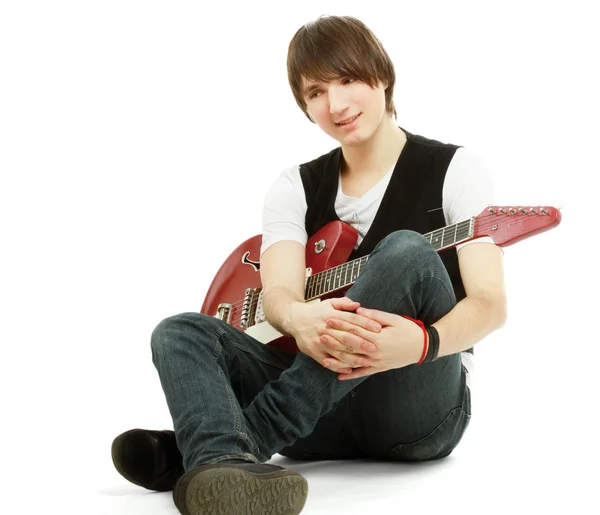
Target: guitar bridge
[224,312]
[249,307]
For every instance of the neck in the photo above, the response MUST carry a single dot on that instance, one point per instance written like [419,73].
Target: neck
[377,154]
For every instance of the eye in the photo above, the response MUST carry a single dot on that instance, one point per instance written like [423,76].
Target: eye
[314,94]
[348,80]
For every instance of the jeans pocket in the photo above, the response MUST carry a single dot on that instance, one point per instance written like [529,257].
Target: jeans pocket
[437,444]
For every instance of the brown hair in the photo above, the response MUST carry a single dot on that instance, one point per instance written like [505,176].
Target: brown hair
[338,46]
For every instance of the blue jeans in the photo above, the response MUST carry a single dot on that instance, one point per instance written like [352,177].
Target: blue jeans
[231,397]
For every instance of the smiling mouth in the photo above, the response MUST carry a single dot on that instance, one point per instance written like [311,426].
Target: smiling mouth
[348,120]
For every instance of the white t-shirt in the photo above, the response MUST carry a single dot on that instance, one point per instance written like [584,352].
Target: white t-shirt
[468,190]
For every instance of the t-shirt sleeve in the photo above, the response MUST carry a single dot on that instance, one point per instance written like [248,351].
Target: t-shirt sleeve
[284,210]
[468,189]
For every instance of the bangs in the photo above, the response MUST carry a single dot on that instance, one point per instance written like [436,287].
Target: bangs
[335,47]
[324,55]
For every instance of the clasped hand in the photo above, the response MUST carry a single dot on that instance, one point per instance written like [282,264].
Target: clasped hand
[355,341]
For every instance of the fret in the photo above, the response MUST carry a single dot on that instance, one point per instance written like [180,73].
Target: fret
[464,229]
[312,286]
[447,236]
[328,275]
[436,241]
[323,287]
[460,231]
[318,285]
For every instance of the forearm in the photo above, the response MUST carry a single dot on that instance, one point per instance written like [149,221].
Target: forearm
[277,305]
[471,320]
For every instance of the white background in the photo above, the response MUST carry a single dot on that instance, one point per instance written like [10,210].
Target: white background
[137,140]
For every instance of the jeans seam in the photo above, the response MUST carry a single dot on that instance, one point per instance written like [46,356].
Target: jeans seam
[242,438]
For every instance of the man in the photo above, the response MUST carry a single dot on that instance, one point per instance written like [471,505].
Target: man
[383,371]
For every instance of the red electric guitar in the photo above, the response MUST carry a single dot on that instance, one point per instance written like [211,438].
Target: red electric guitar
[235,294]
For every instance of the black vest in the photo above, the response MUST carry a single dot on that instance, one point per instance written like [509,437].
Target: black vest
[412,200]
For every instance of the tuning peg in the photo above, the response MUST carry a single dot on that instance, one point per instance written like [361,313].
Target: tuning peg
[543,211]
[492,211]
[533,211]
[512,210]
[523,210]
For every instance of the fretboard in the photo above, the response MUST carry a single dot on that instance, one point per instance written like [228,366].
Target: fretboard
[345,275]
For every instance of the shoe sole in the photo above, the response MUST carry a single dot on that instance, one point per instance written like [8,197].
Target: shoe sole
[230,491]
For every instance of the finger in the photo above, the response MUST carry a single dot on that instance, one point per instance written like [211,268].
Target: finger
[361,321]
[351,339]
[336,365]
[342,354]
[345,303]
[374,314]
[359,372]
[369,336]
[330,362]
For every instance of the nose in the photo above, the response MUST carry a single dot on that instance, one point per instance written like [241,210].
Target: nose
[338,99]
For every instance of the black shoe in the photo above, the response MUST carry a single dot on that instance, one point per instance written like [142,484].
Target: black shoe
[148,458]
[236,487]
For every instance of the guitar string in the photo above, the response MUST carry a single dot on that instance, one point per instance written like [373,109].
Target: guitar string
[481,226]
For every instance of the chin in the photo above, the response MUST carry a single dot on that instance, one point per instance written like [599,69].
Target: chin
[357,137]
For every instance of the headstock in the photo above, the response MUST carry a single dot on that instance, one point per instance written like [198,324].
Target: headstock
[508,224]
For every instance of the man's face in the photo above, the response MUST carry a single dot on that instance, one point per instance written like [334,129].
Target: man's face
[329,103]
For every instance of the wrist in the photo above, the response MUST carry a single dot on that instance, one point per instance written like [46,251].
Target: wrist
[291,318]
[422,341]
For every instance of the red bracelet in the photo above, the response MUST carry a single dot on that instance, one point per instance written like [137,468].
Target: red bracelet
[422,326]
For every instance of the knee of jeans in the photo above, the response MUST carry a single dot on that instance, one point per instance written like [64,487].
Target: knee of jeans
[406,246]
[161,338]
[439,443]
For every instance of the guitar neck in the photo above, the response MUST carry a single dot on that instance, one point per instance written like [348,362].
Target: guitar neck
[345,275]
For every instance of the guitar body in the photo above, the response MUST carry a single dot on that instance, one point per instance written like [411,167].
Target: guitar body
[327,248]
